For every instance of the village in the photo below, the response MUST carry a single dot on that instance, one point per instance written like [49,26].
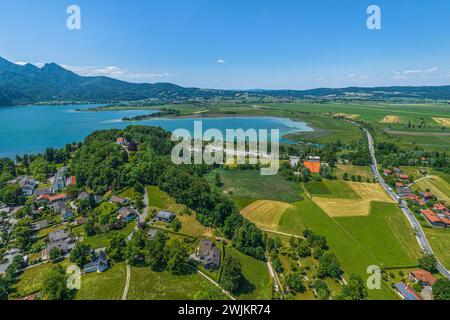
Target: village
[423,202]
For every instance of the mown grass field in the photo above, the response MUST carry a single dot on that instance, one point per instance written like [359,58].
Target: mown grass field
[257,284]
[108,285]
[146,284]
[101,240]
[251,184]
[266,214]
[331,189]
[440,242]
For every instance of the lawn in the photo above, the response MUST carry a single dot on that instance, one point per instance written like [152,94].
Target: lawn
[30,281]
[159,200]
[101,240]
[128,193]
[440,242]
[383,238]
[257,284]
[108,285]
[146,284]
[251,184]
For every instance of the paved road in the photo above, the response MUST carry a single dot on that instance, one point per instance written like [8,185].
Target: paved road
[420,234]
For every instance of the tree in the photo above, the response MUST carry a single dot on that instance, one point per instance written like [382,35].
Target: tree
[155,251]
[116,248]
[355,289]
[177,256]
[23,234]
[428,262]
[135,249]
[295,282]
[54,285]
[217,180]
[54,254]
[323,293]
[231,274]
[441,289]
[175,224]
[81,254]
[329,266]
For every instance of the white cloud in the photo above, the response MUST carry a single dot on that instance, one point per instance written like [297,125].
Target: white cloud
[221,61]
[113,72]
[412,71]
[433,69]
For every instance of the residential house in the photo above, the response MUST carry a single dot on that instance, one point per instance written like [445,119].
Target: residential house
[71,181]
[27,184]
[387,172]
[404,177]
[433,218]
[406,292]
[122,142]
[43,191]
[427,196]
[86,196]
[119,200]
[64,246]
[423,277]
[165,216]
[294,161]
[127,213]
[59,180]
[440,207]
[40,225]
[404,191]
[208,254]
[52,199]
[98,264]
[58,235]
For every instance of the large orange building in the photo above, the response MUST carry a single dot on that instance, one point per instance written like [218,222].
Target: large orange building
[312,165]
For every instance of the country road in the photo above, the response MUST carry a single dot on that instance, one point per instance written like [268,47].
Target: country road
[420,234]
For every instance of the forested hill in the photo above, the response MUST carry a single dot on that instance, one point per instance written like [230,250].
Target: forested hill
[102,165]
[52,84]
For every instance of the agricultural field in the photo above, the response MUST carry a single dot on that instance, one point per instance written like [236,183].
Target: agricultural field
[351,170]
[250,184]
[440,242]
[437,185]
[342,207]
[266,214]
[146,284]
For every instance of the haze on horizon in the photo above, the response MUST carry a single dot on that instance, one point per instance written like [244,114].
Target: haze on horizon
[235,44]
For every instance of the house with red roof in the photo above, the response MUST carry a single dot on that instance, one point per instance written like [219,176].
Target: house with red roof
[423,277]
[440,207]
[403,177]
[433,218]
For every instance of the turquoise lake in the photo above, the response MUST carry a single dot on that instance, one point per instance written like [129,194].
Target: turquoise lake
[31,129]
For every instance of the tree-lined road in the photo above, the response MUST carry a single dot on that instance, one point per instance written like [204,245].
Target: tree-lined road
[420,234]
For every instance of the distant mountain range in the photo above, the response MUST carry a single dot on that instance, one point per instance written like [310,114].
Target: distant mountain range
[28,84]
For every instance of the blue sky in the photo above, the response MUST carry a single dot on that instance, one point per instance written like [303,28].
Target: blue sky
[235,44]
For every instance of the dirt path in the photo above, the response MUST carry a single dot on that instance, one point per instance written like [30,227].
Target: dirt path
[127,283]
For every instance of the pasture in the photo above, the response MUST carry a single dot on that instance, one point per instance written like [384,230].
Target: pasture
[440,242]
[251,184]
[437,185]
